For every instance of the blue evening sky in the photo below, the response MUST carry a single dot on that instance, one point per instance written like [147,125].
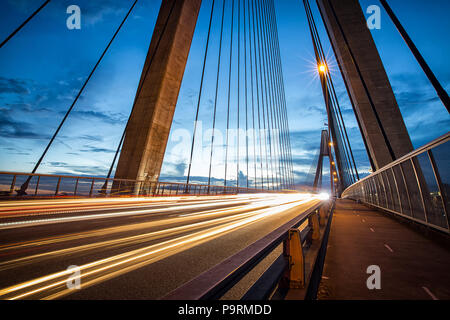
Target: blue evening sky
[43,67]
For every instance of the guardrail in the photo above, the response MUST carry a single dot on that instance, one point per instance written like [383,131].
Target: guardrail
[304,241]
[48,185]
[416,186]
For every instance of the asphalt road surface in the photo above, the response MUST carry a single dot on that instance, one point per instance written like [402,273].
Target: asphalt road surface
[129,248]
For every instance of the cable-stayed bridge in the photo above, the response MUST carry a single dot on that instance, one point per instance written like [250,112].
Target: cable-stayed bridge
[250,232]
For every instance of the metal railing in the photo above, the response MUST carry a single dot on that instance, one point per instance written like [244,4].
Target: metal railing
[304,239]
[48,185]
[416,186]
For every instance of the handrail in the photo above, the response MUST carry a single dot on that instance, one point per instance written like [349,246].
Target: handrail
[215,282]
[415,186]
[433,144]
[66,185]
[63,176]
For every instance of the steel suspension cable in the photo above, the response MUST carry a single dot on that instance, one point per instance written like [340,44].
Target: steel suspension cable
[252,88]
[336,107]
[352,103]
[283,95]
[266,105]
[216,95]
[321,60]
[246,92]
[24,23]
[280,129]
[282,144]
[26,183]
[285,128]
[271,102]
[229,92]
[263,100]
[347,146]
[441,92]
[274,96]
[257,95]
[238,93]
[200,95]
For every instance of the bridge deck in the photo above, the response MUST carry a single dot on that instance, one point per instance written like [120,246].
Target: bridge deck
[412,266]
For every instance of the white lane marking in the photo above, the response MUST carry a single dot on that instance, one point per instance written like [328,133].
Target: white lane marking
[389,248]
[268,202]
[430,293]
[371,229]
[9,225]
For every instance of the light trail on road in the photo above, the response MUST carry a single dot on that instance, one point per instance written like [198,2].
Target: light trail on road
[179,226]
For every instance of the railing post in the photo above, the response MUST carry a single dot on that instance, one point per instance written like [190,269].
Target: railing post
[293,251]
[323,212]
[118,187]
[407,189]
[398,192]
[37,185]
[92,188]
[420,189]
[314,223]
[437,176]
[57,186]
[76,188]
[382,185]
[13,184]
[390,189]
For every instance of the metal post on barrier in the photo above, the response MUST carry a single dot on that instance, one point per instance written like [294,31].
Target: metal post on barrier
[37,185]
[323,214]
[92,188]
[76,188]
[294,276]
[57,186]
[314,223]
[13,183]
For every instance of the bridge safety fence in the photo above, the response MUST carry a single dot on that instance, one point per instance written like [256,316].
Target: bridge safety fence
[50,186]
[416,186]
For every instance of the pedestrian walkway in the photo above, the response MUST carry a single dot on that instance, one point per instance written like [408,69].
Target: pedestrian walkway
[411,265]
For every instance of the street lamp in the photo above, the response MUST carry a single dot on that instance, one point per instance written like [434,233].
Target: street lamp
[322,68]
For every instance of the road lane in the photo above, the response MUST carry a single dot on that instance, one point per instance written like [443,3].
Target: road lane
[36,266]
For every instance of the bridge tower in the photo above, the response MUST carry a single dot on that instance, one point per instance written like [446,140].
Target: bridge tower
[368,86]
[149,125]
[325,151]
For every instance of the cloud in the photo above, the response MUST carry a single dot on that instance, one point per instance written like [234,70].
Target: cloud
[92,12]
[10,128]
[112,118]
[64,168]
[91,138]
[17,151]
[97,150]
[8,85]
[320,110]
[180,168]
